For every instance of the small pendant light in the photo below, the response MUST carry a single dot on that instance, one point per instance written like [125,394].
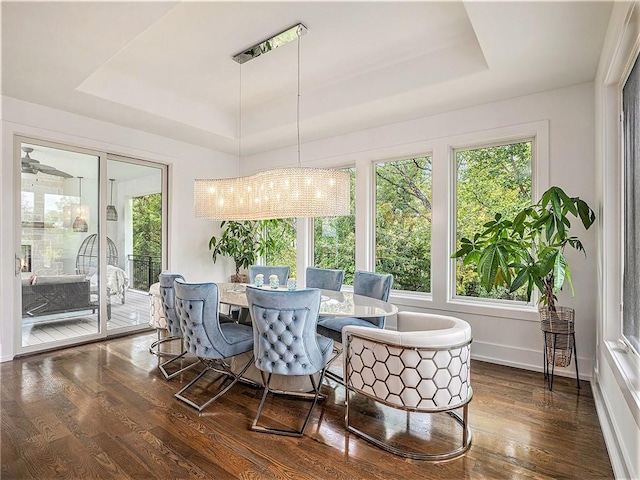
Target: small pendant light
[80,224]
[112,213]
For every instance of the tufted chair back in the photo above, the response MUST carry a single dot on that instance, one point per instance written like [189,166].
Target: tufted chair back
[284,331]
[282,271]
[373,285]
[167,295]
[197,309]
[324,278]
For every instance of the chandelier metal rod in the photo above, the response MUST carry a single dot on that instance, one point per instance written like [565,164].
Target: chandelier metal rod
[271,43]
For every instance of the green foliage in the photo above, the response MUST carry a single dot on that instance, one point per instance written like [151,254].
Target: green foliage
[334,240]
[147,225]
[282,248]
[490,180]
[526,250]
[403,222]
[244,241]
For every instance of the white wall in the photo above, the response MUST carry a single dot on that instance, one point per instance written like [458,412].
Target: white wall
[617,371]
[188,236]
[505,336]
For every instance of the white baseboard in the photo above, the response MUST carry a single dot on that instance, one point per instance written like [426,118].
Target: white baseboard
[620,469]
[526,359]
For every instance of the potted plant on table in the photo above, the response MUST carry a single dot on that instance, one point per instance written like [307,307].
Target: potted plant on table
[244,242]
[527,251]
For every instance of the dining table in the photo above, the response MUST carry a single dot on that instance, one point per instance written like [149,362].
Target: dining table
[332,304]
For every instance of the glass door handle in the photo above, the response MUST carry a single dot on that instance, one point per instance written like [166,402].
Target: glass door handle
[18,265]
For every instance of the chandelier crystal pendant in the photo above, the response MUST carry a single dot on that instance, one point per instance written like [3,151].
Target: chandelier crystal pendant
[279,193]
[112,213]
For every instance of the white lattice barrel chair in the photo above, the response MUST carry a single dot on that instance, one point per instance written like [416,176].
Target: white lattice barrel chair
[422,367]
[157,318]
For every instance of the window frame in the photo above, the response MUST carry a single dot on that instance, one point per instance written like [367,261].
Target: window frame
[407,294]
[622,165]
[538,131]
[454,297]
[310,230]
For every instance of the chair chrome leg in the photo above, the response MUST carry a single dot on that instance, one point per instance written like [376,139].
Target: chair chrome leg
[333,376]
[162,366]
[154,348]
[169,376]
[308,396]
[210,366]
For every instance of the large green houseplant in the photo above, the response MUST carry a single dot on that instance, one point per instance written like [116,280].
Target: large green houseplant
[528,250]
[243,241]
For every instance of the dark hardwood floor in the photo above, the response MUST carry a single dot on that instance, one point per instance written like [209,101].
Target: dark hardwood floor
[103,410]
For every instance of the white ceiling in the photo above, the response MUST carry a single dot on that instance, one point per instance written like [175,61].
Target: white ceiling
[166,68]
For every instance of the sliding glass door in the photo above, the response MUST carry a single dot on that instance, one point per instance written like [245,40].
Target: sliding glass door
[58,213]
[92,235]
[134,224]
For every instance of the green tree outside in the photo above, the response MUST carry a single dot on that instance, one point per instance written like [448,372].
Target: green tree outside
[334,239]
[489,180]
[147,238]
[403,222]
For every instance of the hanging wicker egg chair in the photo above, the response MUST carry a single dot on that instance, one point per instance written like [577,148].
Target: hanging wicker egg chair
[87,259]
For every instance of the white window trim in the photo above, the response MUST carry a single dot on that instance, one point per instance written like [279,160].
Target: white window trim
[402,296]
[621,48]
[538,134]
[442,244]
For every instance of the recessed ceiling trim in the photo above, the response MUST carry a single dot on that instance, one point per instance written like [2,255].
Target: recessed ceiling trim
[278,40]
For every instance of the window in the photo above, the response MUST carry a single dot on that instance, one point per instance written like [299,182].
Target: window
[631,268]
[334,240]
[489,180]
[403,222]
[282,251]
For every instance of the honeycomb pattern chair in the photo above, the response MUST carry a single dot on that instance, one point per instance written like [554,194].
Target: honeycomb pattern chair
[157,320]
[208,339]
[286,343]
[423,367]
[324,278]
[174,332]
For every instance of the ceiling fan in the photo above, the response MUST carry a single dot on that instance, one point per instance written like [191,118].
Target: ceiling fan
[30,165]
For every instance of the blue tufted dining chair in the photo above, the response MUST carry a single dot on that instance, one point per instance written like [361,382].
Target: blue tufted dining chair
[286,343]
[369,284]
[174,332]
[324,278]
[282,271]
[208,339]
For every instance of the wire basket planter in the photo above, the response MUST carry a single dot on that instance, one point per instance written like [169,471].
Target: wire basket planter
[558,327]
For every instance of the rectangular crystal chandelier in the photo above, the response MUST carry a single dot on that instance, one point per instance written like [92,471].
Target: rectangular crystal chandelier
[279,193]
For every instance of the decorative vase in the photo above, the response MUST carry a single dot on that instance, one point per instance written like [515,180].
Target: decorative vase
[274,282]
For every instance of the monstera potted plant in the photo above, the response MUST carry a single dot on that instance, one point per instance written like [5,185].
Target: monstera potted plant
[244,242]
[527,251]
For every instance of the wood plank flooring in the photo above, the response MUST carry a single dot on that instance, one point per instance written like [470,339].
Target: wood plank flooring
[103,410]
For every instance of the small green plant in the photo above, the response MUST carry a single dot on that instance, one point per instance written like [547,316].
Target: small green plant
[528,250]
[243,241]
